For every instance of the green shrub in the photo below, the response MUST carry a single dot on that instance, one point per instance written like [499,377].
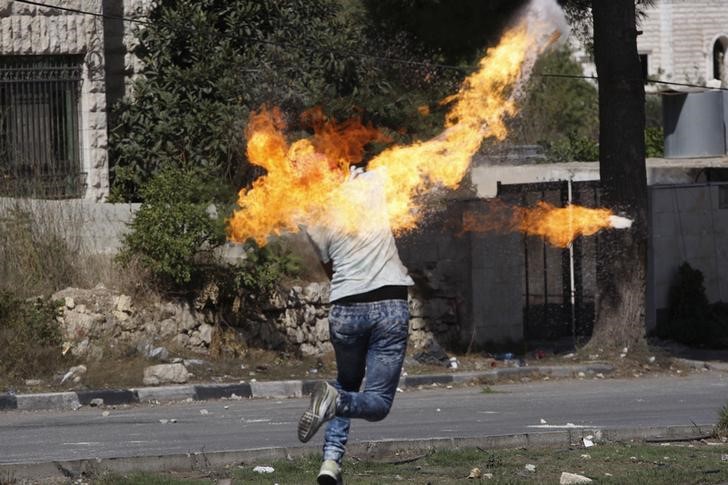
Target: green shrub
[573,148]
[654,142]
[265,267]
[175,232]
[30,339]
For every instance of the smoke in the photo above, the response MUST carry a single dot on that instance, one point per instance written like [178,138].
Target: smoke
[548,16]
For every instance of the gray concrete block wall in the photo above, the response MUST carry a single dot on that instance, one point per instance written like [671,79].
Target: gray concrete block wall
[688,226]
[96,228]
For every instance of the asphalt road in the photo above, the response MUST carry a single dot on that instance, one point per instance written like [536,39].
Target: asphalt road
[137,431]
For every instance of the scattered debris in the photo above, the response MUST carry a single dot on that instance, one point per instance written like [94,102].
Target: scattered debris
[573,478]
[475,473]
[95,403]
[264,469]
[587,440]
[432,353]
[530,468]
[581,374]
[651,360]
[586,456]
[543,421]
[488,476]
[723,457]
[204,412]
[600,375]
[437,410]
[453,364]
[105,414]
[33,382]
[569,356]
[75,374]
[164,421]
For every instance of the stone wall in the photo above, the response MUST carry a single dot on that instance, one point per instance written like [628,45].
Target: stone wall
[96,322]
[30,30]
[678,38]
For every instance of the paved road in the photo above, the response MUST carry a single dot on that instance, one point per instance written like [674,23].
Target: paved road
[613,403]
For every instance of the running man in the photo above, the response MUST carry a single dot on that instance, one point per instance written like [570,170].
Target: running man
[368,321]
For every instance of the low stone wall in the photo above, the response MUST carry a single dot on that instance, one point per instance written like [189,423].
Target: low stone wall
[99,322]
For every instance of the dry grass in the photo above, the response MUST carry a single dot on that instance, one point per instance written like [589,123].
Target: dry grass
[42,250]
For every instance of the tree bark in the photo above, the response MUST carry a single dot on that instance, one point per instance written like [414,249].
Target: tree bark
[622,259]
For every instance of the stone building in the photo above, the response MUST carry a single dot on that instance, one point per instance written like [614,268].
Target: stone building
[682,41]
[60,71]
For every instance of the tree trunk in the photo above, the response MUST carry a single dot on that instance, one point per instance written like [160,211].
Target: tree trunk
[622,259]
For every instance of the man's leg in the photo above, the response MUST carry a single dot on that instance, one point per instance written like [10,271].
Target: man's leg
[385,355]
[351,352]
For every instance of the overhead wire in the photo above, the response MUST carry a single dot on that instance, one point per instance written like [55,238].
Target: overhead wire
[431,65]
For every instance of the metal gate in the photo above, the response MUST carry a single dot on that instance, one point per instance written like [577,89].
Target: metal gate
[558,301]
[39,126]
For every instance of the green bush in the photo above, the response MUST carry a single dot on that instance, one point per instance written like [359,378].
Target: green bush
[654,142]
[264,268]
[175,231]
[573,148]
[30,340]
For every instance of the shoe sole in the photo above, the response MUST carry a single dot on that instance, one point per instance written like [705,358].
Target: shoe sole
[326,479]
[314,416]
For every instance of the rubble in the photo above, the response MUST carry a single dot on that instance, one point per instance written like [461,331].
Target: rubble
[166,374]
[573,478]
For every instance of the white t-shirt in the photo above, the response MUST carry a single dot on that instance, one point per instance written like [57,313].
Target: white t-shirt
[364,259]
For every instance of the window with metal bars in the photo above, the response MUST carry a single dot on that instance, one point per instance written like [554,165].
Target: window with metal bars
[39,127]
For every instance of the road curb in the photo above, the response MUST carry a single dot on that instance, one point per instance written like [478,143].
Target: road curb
[65,401]
[366,450]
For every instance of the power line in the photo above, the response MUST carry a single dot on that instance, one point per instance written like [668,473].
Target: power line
[83,12]
[431,65]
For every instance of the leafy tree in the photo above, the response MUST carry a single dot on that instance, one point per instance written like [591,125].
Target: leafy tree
[209,62]
[457,30]
[562,114]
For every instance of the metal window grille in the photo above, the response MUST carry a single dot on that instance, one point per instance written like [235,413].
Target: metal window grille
[39,127]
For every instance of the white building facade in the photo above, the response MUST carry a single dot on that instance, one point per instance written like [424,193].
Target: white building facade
[60,70]
[682,41]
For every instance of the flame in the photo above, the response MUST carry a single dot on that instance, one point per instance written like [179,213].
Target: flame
[557,225]
[305,179]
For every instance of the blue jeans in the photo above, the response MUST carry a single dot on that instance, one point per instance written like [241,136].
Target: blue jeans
[369,337]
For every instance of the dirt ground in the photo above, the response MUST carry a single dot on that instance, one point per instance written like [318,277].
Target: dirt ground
[258,364]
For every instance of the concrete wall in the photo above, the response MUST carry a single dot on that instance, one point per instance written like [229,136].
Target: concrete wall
[97,228]
[687,225]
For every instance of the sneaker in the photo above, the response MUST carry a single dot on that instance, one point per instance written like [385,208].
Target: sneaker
[330,473]
[321,409]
